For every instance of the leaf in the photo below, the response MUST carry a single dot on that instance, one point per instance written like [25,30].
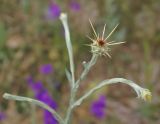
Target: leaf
[69,77]
[63,18]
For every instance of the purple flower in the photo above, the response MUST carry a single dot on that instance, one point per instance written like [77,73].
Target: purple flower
[48,118]
[98,107]
[75,5]
[43,95]
[46,69]
[46,98]
[53,11]
[2,116]
[37,87]
[30,80]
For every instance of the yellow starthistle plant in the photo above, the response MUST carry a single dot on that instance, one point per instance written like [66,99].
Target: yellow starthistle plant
[101,44]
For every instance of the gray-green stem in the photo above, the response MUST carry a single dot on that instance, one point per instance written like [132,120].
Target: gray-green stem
[70,109]
[139,90]
[35,102]
[33,114]
[86,70]
[75,88]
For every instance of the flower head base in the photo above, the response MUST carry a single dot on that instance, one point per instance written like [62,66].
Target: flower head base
[146,95]
[100,44]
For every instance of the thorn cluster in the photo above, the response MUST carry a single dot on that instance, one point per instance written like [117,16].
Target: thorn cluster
[100,44]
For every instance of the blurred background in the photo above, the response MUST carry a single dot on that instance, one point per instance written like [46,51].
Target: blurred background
[33,59]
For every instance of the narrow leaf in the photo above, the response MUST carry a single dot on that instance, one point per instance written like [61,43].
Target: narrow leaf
[69,77]
[63,18]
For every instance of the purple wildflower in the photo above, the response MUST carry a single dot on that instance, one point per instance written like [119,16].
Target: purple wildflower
[30,80]
[48,118]
[75,5]
[37,87]
[53,11]
[46,69]
[98,107]
[2,116]
[43,95]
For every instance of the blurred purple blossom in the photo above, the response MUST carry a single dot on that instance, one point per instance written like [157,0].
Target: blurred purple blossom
[48,118]
[37,87]
[43,95]
[2,116]
[46,69]
[30,80]
[53,11]
[74,5]
[98,107]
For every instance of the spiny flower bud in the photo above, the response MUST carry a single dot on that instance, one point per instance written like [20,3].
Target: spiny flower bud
[100,44]
[146,95]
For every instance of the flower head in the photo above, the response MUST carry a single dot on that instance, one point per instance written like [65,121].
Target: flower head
[98,107]
[100,44]
[142,93]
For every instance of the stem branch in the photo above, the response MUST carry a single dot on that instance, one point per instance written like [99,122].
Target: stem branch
[36,102]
